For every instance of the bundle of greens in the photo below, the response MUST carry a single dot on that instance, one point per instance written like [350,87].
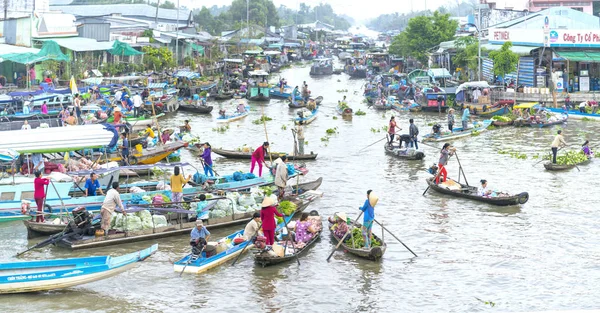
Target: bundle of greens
[357,240]
[502,118]
[286,208]
[568,158]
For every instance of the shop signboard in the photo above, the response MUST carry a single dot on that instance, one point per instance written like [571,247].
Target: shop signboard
[555,37]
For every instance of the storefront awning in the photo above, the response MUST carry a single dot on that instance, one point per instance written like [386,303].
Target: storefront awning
[580,56]
[520,50]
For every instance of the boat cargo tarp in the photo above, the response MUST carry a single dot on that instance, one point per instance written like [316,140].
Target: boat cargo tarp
[123,49]
[50,51]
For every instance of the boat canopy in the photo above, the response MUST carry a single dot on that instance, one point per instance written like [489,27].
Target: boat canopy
[272,52]
[8,155]
[258,73]
[469,85]
[439,73]
[253,52]
[188,74]
[234,61]
[60,139]
[414,75]
[527,105]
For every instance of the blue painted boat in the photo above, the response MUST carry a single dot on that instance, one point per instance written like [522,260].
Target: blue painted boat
[44,275]
[259,91]
[275,92]
[458,132]
[491,112]
[575,115]
[201,264]
[233,117]
[306,116]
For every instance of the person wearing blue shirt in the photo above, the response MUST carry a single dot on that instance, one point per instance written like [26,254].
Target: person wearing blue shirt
[199,241]
[368,209]
[200,232]
[125,149]
[91,185]
[466,117]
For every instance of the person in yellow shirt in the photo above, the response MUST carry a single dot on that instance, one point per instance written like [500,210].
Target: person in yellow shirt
[177,183]
[149,131]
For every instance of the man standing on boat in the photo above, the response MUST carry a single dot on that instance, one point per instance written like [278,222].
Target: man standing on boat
[466,117]
[300,137]
[558,142]
[92,184]
[111,202]
[281,176]
[413,131]
[137,104]
[368,209]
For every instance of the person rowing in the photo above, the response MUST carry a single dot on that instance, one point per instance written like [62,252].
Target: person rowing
[586,149]
[445,154]
[558,142]
[392,130]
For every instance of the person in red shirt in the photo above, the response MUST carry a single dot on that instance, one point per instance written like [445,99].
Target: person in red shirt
[267,217]
[39,194]
[117,116]
[258,156]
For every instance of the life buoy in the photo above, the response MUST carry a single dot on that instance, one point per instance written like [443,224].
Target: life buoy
[133,160]
[523,197]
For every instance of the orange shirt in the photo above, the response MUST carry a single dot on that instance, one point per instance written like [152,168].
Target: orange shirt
[117,116]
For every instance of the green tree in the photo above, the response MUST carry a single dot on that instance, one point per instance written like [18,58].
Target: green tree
[423,33]
[466,57]
[261,12]
[505,61]
[158,59]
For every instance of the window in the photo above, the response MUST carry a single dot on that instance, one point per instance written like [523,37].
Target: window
[7,196]
[26,195]
[578,9]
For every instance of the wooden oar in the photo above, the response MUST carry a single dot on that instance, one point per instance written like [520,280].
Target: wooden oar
[246,246]
[461,169]
[344,237]
[433,181]
[372,144]
[395,237]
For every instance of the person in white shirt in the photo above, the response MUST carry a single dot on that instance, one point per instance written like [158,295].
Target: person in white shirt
[476,95]
[26,125]
[118,96]
[483,191]
[253,227]
[111,202]
[137,104]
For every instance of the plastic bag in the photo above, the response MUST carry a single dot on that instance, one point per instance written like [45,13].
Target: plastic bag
[246,200]
[159,220]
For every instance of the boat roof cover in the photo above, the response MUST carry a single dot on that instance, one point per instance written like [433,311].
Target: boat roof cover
[467,85]
[527,105]
[439,73]
[272,52]
[187,74]
[60,139]
[50,51]
[258,73]
[233,60]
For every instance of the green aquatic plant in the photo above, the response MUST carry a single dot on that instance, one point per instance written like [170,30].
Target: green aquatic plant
[360,112]
[262,119]
[335,117]
[332,131]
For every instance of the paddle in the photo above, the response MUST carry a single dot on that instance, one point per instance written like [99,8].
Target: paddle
[461,169]
[433,181]
[51,240]
[246,246]
[384,138]
[291,240]
[395,237]
[190,260]
[344,237]
[204,164]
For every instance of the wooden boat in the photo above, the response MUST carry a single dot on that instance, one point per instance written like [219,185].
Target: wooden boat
[275,92]
[344,111]
[489,113]
[302,104]
[44,275]
[180,222]
[151,156]
[233,117]
[453,188]
[502,124]
[532,123]
[307,117]
[382,106]
[232,154]
[405,154]
[202,264]
[222,95]
[575,115]
[200,109]
[458,132]
[563,167]
[259,91]
[323,66]
[373,254]
[265,259]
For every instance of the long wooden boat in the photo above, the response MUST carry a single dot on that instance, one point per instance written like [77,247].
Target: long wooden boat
[453,188]
[44,275]
[183,224]
[201,264]
[151,156]
[404,154]
[232,154]
[458,132]
[489,113]
[301,104]
[306,119]
[531,123]
[265,259]
[563,167]
[380,106]
[200,109]
[576,115]
[222,95]
[344,111]
[502,124]
[275,92]
[373,254]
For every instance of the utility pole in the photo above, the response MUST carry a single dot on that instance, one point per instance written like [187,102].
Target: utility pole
[156,15]
[479,43]
[177,37]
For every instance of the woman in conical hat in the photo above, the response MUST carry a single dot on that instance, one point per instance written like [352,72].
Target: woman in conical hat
[267,216]
[368,209]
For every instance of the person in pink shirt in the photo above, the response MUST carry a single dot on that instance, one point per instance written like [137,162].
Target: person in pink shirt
[44,108]
[267,216]
[39,193]
[258,156]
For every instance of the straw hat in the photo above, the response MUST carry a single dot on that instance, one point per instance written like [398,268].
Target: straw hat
[268,201]
[373,199]
[341,215]
[117,109]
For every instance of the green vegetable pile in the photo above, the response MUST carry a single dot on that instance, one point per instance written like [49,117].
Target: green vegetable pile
[502,118]
[568,158]
[287,208]
[359,241]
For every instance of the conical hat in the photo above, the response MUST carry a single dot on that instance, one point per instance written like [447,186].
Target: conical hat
[341,215]
[268,201]
[373,199]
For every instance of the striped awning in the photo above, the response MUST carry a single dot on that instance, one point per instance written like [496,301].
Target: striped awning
[187,74]
[157,85]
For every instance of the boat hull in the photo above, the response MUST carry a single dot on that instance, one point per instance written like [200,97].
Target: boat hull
[196,109]
[373,254]
[403,155]
[458,133]
[248,155]
[469,192]
[549,166]
[576,115]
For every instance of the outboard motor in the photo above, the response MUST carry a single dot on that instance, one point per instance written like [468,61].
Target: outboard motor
[82,222]
[197,247]
[437,128]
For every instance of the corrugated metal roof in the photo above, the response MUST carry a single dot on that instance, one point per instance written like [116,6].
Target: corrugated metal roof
[123,9]
[80,44]
[8,49]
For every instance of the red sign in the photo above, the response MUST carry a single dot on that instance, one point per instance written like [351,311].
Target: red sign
[502,35]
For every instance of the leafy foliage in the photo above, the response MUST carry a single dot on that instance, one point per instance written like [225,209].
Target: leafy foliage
[505,61]
[422,34]
[158,59]
[467,51]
